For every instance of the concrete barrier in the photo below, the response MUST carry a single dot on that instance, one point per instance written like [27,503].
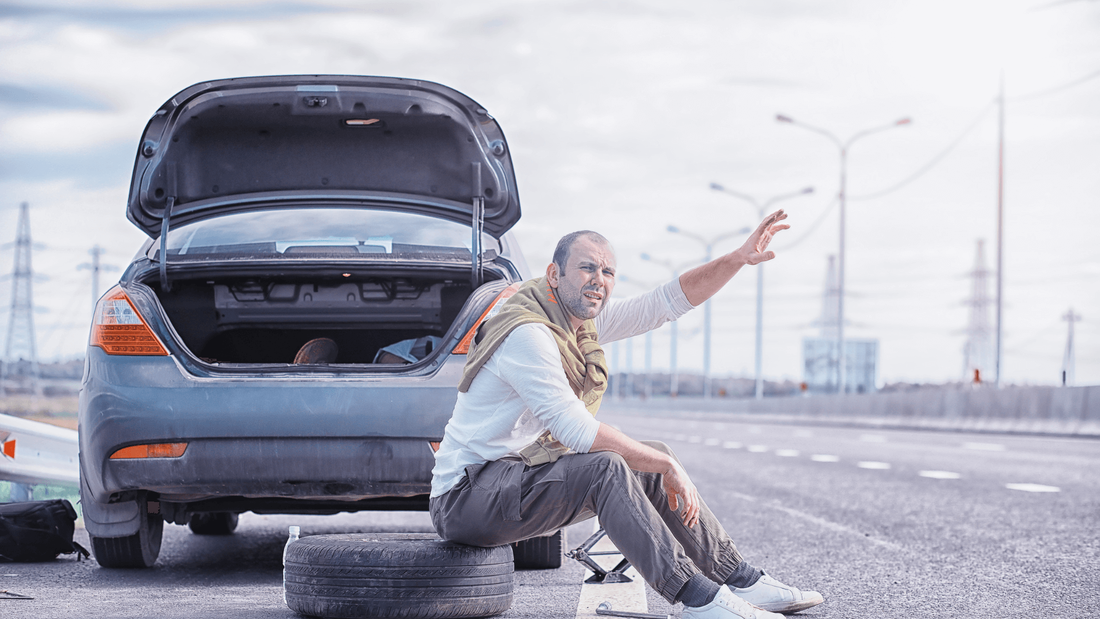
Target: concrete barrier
[38,453]
[1068,411]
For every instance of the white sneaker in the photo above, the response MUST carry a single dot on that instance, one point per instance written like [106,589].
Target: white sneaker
[770,594]
[726,605]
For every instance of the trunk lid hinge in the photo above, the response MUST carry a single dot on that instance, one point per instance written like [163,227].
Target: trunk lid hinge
[478,224]
[165,222]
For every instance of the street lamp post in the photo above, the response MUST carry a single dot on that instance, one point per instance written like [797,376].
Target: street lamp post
[674,377]
[842,196]
[762,207]
[709,244]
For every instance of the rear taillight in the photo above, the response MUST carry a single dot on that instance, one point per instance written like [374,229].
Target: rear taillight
[119,329]
[153,450]
[494,307]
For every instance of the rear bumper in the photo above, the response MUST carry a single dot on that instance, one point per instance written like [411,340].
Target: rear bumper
[311,438]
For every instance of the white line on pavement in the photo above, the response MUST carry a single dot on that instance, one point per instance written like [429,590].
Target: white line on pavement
[872,438]
[821,522]
[695,439]
[984,446]
[711,442]
[1033,488]
[870,464]
[731,445]
[939,474]
[825,458]
[757,449]
[787,453]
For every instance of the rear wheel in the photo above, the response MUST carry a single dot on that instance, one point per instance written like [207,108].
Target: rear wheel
[137,550]
[215,523]
[540,553]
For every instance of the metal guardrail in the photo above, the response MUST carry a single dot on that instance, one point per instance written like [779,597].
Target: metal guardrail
[38,453]
[1069,411]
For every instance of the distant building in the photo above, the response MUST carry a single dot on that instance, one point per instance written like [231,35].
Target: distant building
[820,368]
[820,362]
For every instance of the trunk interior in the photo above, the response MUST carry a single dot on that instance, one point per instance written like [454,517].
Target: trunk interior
[261,320]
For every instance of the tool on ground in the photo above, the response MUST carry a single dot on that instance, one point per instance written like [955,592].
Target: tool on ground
[605,609]
[584,555]
[9,595]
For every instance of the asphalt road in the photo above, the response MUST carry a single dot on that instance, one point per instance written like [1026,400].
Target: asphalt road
[883,523]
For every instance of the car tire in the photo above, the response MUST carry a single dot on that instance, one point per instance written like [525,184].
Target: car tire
[540,553]
[137,550]
[396,575]
[213,523]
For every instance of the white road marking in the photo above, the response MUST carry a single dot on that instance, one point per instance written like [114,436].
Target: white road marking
[939,474]
[679,437]
[787,453]
[825,458]
[872,438]
[628,596]
[695,439]
[757,449]
[711,441]
[984,446]
[821,522]
[870,464]
[1033,487]
[731,445]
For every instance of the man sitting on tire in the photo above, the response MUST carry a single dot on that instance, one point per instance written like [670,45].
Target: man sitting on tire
[523,455]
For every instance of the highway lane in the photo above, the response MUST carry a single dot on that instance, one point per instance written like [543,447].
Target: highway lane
[883,523]
[900,523]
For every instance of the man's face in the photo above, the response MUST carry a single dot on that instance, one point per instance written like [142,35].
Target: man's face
[585,284]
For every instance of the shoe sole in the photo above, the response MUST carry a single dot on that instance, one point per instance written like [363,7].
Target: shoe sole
[793,607]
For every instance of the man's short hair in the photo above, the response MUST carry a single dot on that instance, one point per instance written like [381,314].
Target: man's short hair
[561,252]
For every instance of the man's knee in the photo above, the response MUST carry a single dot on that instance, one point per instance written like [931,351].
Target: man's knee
[663,448]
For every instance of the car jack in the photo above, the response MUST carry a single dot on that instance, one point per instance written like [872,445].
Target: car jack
[599,576]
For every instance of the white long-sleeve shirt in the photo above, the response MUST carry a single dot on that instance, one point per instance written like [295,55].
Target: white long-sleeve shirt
[522,390]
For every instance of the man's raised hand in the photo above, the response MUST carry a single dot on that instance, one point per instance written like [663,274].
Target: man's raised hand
[755,249]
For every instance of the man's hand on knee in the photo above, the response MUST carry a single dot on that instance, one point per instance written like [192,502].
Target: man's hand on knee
[681,494]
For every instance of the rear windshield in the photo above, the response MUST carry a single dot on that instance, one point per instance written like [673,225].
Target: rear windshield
[355,234]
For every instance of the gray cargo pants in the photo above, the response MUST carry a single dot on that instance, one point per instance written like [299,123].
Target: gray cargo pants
[505,501]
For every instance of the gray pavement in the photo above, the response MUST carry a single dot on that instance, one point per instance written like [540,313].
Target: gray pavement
[883,523]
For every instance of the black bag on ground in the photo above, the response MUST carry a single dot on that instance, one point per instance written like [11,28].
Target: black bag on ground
[37,530]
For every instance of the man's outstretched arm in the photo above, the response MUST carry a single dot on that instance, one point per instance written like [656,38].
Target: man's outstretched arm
[702,282]
[643,458]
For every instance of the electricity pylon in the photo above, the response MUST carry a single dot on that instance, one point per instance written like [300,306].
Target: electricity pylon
[1068,362]
[978,350]
[20,371]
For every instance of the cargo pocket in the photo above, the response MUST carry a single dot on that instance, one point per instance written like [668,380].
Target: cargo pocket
[497,485]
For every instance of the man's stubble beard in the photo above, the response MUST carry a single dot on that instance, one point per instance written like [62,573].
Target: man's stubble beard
[574,303]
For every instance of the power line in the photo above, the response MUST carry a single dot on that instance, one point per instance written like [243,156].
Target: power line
[1057,89]
[820,218]
[932,163]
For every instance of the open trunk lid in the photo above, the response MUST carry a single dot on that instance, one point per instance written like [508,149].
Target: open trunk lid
[265,142]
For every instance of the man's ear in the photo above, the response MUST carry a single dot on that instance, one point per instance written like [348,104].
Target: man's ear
[552,275]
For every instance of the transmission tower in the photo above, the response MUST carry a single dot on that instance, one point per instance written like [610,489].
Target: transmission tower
[20,371]
[978,350]
[830,303]
[1068,363]
[96,267]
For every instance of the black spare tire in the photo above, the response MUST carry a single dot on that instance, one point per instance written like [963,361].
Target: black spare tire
[396,575]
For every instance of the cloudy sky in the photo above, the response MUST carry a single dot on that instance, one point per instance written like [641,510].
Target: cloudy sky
[620,113]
